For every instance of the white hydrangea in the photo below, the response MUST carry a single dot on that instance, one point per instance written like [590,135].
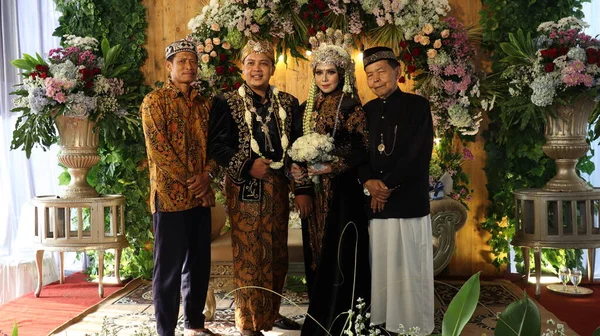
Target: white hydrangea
[66,71]
[577,53]
[84,43]
[543,90]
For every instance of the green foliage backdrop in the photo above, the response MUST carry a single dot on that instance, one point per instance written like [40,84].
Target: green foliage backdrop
[122,169]
[513,143]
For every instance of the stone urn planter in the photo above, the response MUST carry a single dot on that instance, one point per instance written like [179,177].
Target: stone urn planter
[566,143]
[79,152]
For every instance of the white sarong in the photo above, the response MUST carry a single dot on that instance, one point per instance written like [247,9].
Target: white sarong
[402,268]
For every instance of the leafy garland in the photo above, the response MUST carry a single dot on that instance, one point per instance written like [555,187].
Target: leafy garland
[123,167]
[515,137]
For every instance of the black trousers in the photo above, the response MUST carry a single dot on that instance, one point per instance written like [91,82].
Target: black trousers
[181,264]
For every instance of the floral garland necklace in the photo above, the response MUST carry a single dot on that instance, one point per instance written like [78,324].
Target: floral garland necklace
[282,118]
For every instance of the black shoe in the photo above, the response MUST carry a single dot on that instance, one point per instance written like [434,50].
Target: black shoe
[285,323]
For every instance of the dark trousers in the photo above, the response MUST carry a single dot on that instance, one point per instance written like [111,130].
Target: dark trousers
[181,264]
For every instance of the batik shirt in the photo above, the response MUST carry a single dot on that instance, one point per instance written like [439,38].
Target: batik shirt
[176,133]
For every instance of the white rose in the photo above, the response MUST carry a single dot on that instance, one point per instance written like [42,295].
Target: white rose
[213,54]
[216,41]
[215,27]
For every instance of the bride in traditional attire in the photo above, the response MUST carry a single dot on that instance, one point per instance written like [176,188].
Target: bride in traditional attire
[328,195]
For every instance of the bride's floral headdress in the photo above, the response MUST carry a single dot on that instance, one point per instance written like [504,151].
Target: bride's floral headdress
[333,47]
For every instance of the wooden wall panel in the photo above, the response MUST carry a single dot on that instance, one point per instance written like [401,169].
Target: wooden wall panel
[168,21]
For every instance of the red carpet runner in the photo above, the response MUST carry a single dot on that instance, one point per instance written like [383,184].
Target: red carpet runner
[56,305]
[582,314]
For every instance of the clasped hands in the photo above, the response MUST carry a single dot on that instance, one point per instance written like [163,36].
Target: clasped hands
[199,186]
[379,194]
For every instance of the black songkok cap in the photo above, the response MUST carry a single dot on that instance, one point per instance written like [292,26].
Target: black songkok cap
[375,54]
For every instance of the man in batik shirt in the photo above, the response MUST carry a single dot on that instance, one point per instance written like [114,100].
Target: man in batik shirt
[249,132]
[175,121]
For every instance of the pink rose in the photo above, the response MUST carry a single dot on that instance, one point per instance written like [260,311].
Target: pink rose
[437,44]
[431,53]
[445,33]
[428,29]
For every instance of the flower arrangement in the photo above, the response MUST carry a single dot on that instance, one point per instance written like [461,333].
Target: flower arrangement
[312,148]
[399,20]
[441,60]
[240,20]
[559,65]
[217,71]
[74,81]
[447,163]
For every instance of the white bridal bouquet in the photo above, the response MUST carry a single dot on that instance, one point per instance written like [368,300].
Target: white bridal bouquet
[312,148]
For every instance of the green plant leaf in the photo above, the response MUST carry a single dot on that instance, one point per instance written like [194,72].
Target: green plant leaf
[461,308]
[596,332]
[21,64]
[520,318]
[15,331]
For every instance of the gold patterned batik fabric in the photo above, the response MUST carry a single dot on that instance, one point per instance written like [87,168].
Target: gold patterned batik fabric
[176,134]
[259,233]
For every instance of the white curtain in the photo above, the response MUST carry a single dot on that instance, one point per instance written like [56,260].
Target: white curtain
[26,26]
[592,17]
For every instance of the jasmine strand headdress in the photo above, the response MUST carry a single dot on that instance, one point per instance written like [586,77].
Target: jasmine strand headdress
[330,48]
[333,47]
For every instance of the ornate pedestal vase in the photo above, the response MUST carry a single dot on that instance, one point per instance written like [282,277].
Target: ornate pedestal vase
[79,152]
[565,143]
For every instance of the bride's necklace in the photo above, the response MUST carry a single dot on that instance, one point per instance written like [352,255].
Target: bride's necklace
[264,128]
[381,147]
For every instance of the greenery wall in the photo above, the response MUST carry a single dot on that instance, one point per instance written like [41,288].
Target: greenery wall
[513,142]
[123,168]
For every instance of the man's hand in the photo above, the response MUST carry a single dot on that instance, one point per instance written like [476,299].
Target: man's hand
[208,200]
[199,184]
[377,205]
[303,205]
[260,168]
[378,190]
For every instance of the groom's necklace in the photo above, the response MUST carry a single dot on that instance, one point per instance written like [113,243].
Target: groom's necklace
[381,147]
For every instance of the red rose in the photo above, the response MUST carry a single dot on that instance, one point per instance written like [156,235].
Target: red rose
[223,57]
[232,69]
[305,15]
[220,70]
[237,85]
[326,13]
[43,75]
[411,68]
[407,57]
[89,84]
[33,75]
[549,67]
[321,5]
[39,67]
[416,52]
[402,44]
[545,53]
[225,86]
[592,59]
[316,16]
[323,28]
[312,31]
[311,6]
[552,53]
[590,51]
[563,51]
[401,80]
